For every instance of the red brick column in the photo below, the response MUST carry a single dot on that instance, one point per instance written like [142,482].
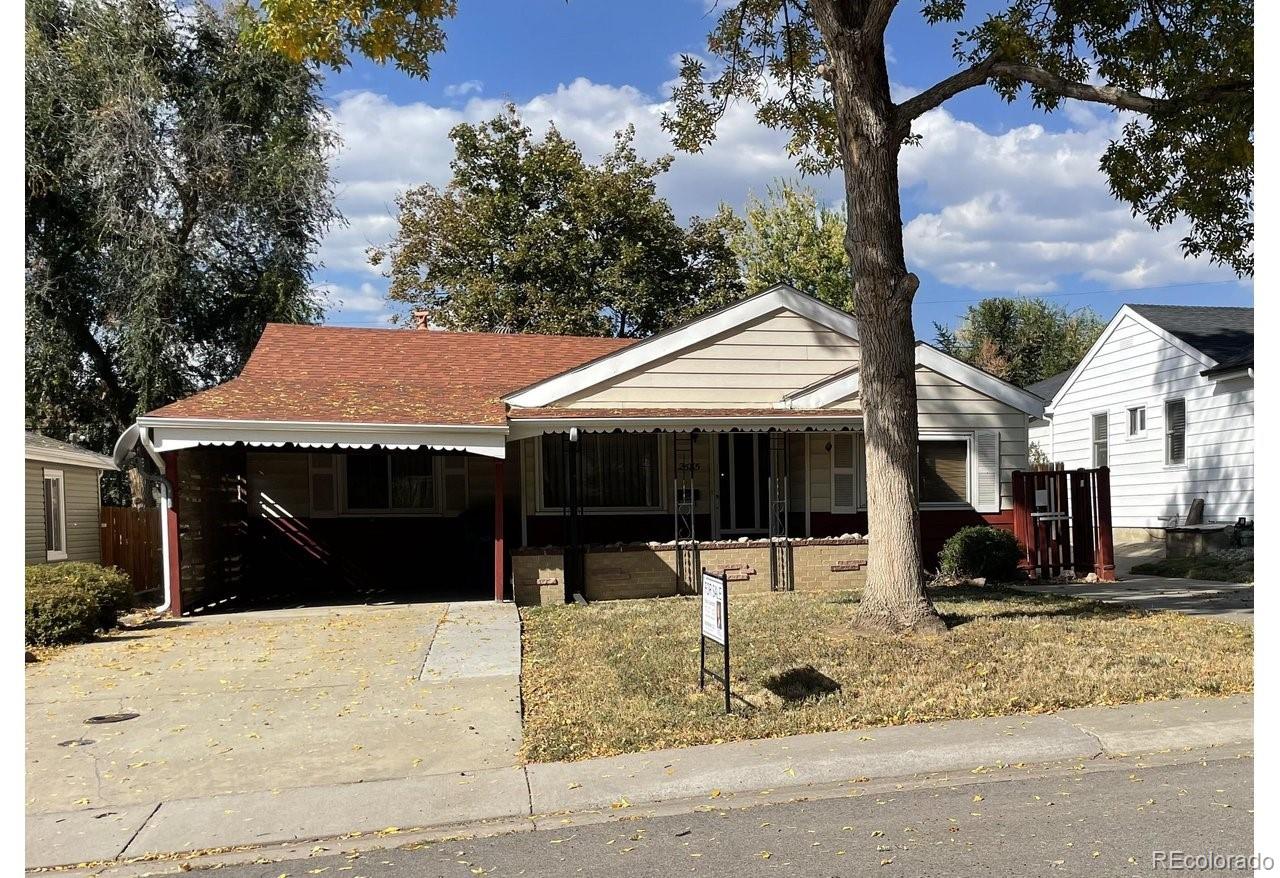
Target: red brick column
[499,553]
[171,525]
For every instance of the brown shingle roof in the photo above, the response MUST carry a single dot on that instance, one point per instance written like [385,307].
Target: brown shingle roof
[386,376]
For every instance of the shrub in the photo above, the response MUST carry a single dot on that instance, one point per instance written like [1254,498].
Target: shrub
[67,603]
[981,552]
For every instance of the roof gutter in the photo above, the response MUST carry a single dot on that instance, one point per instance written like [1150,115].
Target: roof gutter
[138,435]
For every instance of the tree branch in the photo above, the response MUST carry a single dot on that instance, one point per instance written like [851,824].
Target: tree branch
[938,94]
[987,69]
[878,14]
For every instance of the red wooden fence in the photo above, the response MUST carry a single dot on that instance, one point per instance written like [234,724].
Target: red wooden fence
[130,539]
[1062,519]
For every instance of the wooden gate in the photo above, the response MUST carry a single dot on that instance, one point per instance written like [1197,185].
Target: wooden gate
[130,540]
[1062,519]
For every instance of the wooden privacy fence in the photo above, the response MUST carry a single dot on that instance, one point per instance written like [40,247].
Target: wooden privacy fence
[130,539]
[1062,519]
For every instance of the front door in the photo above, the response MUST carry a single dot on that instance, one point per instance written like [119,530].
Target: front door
[742,483]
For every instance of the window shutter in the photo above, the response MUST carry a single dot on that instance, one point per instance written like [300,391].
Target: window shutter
[455,483]
[987,450]
[1175,427]
[324,486]
[844,497]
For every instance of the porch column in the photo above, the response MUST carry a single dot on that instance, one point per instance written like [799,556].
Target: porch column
[170,524]
[499,555]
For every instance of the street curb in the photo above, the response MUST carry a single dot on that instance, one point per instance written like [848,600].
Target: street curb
[539,794]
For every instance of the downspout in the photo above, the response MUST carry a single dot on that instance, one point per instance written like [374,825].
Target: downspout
[123,446]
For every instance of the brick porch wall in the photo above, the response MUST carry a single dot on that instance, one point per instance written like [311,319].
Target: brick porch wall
[641,570]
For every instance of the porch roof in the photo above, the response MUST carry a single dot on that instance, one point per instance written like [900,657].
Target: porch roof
[532,421]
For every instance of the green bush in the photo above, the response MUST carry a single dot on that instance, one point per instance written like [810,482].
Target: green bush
[981,552]
[67,603]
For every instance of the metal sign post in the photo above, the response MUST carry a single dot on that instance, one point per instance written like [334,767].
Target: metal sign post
[715,627]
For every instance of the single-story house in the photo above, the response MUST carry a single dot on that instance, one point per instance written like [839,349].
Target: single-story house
[543,466]
[1164,398]
[64,501]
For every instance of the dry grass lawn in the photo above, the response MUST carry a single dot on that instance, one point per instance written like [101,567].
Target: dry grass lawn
[622,676]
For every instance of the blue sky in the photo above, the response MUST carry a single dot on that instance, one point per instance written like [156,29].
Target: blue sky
[999,199]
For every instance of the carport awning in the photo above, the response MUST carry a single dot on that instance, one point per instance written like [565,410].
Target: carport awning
[174,434]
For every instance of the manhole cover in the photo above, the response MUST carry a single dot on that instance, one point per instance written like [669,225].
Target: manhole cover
[78,742]
[110,718]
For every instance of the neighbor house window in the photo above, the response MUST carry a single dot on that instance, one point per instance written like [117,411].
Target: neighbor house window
[1175,431]
[391,481]
[617,470]
[944,471]
[1100,439]
[55,516]
[1137,420]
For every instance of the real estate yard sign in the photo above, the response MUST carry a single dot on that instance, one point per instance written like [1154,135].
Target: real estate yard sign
[715,627]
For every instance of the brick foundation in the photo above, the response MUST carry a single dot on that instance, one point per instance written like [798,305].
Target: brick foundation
[642,570]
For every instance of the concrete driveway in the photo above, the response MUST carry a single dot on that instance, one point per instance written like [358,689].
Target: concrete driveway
[1230,602]
[274,700]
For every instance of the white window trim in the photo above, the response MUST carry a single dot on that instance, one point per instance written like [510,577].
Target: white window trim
[1093,442]
[57,554]
[970,468]
[664,452]
[1128,411]
[434,510]
[1164,432]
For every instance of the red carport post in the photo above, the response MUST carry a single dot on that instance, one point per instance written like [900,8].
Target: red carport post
[171,525]
[499,555]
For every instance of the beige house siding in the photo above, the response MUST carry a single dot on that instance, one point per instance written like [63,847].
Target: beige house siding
[753,366]
[80,485]
[945,406]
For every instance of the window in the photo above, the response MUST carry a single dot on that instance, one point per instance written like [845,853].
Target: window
[618,470]
[55,516]
[391,481]
[1100,439]
[844,482]
[1137,421]
[944,471]
[1175,432]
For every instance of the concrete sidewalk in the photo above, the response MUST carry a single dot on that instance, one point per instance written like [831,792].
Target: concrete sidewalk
[695,773]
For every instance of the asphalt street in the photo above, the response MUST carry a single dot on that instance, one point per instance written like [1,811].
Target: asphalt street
[1085,823]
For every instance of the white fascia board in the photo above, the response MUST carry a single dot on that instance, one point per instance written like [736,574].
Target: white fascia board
[673,341]
[825,393]
[1125,311]
[524,428]
[975,379]
[86,459]
[174,434]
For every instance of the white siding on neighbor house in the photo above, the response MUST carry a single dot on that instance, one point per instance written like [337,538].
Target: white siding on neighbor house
[945,407]
[1136,366]
[83,504]
[756,366]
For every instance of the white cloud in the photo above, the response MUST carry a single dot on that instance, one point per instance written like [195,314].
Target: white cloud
[1018,210]
[1021,210]
[364,305]
[462,89]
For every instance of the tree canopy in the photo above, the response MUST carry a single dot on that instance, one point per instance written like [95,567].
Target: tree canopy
[529,237]
[177,187]
[788,236]
[1022,340]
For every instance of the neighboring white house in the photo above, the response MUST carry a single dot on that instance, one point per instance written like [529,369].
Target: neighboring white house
[1165,399]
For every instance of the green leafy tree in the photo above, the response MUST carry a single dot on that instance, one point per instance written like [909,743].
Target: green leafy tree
[528,237]
[1021,340]
[176,189]
[817,69]
[788,236]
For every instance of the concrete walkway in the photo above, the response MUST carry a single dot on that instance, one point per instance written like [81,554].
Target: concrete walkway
[550,792]
[1227,601]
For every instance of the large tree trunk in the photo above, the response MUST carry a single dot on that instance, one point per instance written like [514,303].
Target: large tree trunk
[895,597]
